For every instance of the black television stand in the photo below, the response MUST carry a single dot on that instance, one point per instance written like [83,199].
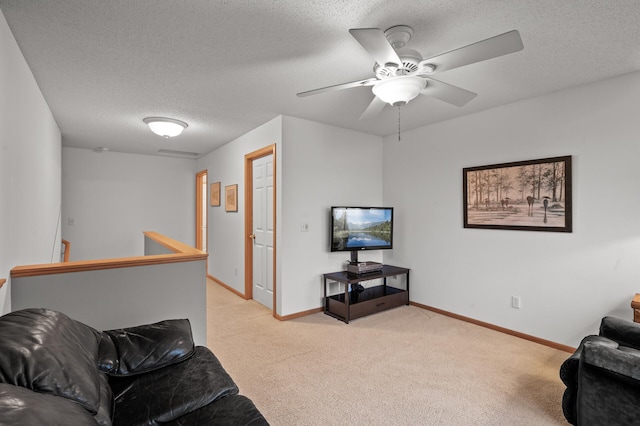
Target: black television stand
[355,304]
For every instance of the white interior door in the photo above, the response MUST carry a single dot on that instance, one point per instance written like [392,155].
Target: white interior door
[263,230]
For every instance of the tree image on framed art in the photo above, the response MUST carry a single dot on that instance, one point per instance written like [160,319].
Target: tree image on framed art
[532,195]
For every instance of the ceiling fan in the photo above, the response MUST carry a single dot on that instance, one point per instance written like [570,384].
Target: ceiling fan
[401,74]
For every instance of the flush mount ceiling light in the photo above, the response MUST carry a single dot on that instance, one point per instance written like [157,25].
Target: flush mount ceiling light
[165,127]
[398,91]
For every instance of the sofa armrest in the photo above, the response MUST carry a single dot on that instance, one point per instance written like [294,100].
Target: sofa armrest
[569,368]
[22,406]
[136,350]
[621,360]
[608,385]
[625,332]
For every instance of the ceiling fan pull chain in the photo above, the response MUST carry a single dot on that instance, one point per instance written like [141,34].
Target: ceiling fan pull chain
[398,124]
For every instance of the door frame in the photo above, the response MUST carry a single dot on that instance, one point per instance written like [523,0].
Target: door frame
[248,220]
[200,199]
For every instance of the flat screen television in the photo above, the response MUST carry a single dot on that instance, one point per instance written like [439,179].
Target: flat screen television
[361,228]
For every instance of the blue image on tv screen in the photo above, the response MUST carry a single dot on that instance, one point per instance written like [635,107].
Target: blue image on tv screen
[362,228]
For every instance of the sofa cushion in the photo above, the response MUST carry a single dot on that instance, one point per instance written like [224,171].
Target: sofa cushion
[21,406]
[137,350]
[48,352]
[164,395]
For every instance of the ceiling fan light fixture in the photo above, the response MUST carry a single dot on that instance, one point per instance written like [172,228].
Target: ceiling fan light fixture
[398,91]
[165,127]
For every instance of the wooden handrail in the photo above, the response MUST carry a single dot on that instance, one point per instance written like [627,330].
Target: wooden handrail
[173,245]
[181,253]
[67,247]
[2,281]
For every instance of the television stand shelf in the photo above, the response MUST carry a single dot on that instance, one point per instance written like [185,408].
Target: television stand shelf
[355,304]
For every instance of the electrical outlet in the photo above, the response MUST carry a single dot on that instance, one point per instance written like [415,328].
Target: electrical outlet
[304,227]
[515,302]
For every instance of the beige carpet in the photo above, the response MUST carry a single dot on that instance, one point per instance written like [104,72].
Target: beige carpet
[405,366]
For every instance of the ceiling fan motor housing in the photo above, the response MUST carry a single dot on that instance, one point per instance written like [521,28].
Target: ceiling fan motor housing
[410,64]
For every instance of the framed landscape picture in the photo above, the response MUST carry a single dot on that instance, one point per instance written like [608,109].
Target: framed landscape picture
[532,195]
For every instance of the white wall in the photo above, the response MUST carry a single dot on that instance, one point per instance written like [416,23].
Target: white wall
[315,170]
[29,168]
[226,229]
[323,166]
[567,282]
[113,197]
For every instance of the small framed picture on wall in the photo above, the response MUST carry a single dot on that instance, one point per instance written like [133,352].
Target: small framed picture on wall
[215,194]
[231,198]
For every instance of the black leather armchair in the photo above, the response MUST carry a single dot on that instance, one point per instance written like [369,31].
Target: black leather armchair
[57,371]
[603,376]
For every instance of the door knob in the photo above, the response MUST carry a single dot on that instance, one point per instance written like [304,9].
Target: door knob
[252,236]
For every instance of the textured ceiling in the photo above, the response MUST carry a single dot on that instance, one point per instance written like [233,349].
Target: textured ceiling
[226,67]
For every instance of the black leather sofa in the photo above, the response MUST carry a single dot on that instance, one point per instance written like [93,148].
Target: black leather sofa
[57,371]
[603,376]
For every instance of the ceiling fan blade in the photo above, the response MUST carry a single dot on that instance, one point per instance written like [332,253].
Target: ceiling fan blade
[374,109]
[376,44]
[493,47]
[359,83]
[446,92]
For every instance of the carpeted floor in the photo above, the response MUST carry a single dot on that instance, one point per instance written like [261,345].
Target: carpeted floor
[405,366]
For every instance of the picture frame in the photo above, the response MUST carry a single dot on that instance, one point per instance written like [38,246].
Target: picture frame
[215,194]
[533,195]
[231,198]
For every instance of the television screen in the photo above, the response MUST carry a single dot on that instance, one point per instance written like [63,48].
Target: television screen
[361,228]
